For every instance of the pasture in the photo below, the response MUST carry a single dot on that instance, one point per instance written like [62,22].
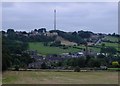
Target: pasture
[52,77]
[50,50]
[111,38]
[45,50]
[115,45]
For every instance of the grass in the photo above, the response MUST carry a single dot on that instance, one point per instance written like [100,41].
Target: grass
[50,50]
[90,48]
[45,50]
[114,69]
[111,38]
[38,77]
[115,45]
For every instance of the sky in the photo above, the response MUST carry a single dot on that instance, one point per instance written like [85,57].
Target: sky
[98,17]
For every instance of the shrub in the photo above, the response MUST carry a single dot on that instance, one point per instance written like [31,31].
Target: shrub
[43,65]
[77,69]
[17,68]
[115,64]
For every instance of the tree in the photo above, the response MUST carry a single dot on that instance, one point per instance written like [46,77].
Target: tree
[12,51]
[72,62]
[43,65]
[10,31]
[24,32]
[6,57]
[86,48]
[17,67]
[6,60]
[3,32]
[115,64]
[101,56]
[42,30]
[35,30]
[58,64]
[88,57]
[26,59]
[109,50]
[102,48]
[81,62]
[77,69]
[94,62]
[84,34]
[103,45]
[11,34]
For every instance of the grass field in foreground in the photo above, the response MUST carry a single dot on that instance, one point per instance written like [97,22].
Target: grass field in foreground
[38,77]
[49,50]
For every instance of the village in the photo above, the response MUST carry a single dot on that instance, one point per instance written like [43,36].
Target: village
[39,59]
[88,49]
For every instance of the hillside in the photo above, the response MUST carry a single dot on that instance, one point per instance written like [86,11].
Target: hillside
[50,50]
[20,46]
[68,41]
[72,46]
[64,41]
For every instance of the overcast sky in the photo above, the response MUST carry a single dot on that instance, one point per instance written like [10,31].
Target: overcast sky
[95,17]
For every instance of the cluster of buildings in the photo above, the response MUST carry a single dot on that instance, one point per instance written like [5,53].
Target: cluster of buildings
[39,59]
[35,32]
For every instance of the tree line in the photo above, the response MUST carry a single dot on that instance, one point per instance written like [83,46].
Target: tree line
[13,54]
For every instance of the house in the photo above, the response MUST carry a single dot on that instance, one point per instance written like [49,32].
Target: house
[37,57]
[32,52]
[51,34]
[101,54]
[81,53]
[103,67]
[52,58]
[36,65]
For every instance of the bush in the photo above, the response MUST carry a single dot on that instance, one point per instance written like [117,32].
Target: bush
[115,64]
[43,65]
[17,68]
[77,69]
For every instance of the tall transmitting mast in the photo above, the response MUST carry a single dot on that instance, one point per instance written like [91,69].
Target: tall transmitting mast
[55,19]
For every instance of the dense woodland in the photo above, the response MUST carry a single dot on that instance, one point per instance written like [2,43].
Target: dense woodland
[14,47]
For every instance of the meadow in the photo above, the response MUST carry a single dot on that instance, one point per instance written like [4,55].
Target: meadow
[115,45]
[40,77]
[45,50]
[111,38]
[50,50]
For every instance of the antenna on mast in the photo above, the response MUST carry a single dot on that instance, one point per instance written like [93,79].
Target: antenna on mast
[54,19]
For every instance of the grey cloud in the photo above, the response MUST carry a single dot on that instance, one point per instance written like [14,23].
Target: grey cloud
[97,17]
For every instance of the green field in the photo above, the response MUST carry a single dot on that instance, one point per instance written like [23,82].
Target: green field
[45,50]
[50,50]
[115,45]
[38,77]
[56,50]
[111,38]
[114,69]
